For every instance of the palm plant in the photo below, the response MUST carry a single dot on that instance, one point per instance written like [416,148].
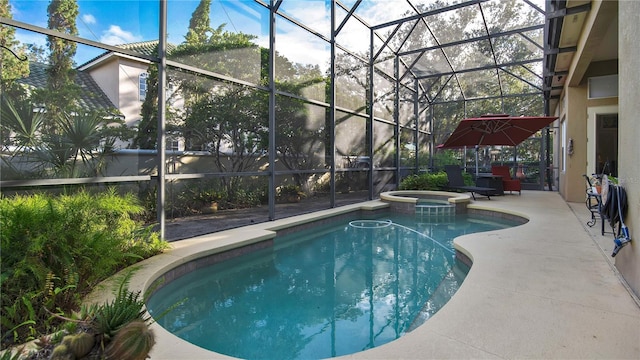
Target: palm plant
[19,131]
[80,146]
[22,121]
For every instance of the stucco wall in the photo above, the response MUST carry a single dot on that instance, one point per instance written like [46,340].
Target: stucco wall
[576,109]
[128,98]
[628,259]
[576,118]
[103,75]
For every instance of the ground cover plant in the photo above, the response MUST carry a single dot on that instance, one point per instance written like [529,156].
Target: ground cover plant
[56,249]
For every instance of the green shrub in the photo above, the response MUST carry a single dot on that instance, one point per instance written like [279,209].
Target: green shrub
[56,248]
[433,181]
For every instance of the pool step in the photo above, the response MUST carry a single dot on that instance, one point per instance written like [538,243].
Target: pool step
[435,210]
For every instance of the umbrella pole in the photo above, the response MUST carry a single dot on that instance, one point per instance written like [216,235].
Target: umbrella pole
[464,159]
[477,147]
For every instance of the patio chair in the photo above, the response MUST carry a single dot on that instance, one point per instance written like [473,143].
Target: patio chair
[456,182]
[508,183]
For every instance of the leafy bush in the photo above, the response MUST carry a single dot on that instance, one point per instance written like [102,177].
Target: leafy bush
[441,158]
[55,249]
[433,181]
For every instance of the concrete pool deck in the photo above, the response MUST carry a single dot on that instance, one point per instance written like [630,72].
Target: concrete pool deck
[545,289]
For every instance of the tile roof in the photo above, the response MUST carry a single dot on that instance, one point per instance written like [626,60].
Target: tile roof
[92,97]
[147,48]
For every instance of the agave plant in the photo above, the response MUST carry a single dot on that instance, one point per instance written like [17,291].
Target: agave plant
[112,316]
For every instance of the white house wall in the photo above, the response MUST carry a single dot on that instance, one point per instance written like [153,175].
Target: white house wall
[128,78]
[118,78]
[103,75]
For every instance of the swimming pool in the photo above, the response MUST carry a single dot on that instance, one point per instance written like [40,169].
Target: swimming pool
[321,293]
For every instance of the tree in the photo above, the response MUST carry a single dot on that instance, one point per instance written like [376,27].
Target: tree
[61,88]
[82,146]
[21,124]
[12,61]
[199,24]
[35,53]
[219,117]
[206,48]
[147,130]
[300,133]
[62,17]
[229,122]
[352,82]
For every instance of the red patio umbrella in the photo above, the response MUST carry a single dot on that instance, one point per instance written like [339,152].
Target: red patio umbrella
[495,129]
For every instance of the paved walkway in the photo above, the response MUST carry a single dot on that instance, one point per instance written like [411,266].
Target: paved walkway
[543,290]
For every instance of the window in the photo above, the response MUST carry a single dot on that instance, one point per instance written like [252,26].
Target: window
[603,87]
[174,145]
[142,86]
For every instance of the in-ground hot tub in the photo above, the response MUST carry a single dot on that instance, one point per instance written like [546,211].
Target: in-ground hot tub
[425,202]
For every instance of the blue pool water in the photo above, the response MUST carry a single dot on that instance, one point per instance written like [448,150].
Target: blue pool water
[321,293]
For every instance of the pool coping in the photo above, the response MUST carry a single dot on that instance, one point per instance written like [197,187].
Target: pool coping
[539,290]
[405,201]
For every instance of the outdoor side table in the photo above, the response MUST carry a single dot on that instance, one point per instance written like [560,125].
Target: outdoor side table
[490,181]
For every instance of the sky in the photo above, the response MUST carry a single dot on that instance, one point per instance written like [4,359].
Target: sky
[127,21]
[116,22]
[111,22]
